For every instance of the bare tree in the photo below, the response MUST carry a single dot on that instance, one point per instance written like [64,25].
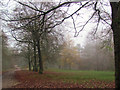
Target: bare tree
[99,14]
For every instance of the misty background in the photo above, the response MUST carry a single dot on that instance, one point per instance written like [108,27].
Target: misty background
[68,49]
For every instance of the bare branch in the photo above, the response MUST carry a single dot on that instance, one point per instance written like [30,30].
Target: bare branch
[97,23]
[68,16]
[30,7]
[85,24]
[74,25]
[22,41]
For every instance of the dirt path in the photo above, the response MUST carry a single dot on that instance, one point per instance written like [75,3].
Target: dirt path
[8,79]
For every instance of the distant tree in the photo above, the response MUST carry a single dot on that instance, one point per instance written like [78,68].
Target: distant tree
[6,53]
[97,55]
[69,55]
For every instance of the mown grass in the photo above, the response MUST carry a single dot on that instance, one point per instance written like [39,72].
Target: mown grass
[80,76]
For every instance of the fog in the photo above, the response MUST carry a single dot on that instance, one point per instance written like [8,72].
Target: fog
[65,47]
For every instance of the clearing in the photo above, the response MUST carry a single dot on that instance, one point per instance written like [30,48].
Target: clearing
[56,78]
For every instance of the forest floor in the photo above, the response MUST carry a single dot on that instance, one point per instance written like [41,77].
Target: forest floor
[55,78]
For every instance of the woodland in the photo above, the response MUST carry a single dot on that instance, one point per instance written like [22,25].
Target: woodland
[42,44]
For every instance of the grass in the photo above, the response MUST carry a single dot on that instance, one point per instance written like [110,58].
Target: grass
[80,76]
[72,78]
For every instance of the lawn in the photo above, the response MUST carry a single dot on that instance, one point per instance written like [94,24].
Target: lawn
[57,78]
[82,76]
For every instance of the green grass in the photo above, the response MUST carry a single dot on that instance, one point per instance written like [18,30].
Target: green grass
[81,76]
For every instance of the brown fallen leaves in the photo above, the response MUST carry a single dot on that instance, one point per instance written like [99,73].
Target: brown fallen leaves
[29,79]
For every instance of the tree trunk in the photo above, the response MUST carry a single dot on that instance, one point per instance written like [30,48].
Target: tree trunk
[35,66]
[29,59]
[40,58]
[29,65]
[116,36]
